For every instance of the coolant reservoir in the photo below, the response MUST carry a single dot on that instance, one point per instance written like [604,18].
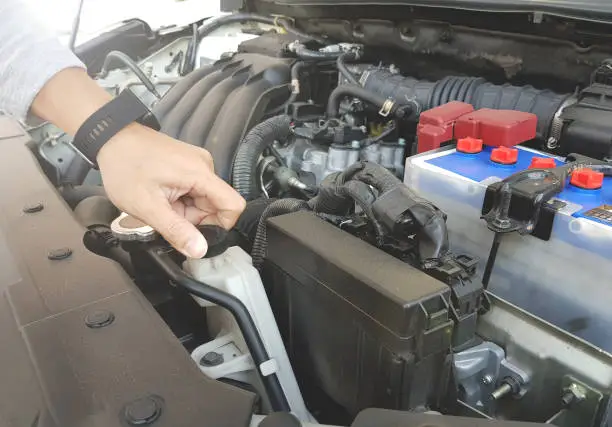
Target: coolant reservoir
[232,271]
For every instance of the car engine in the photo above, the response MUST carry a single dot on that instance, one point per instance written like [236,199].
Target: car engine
[426,233]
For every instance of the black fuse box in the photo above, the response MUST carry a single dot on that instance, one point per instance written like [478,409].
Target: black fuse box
[360,326]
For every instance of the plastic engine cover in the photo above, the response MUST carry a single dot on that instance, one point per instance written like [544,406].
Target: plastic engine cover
[564,280]
[360,326]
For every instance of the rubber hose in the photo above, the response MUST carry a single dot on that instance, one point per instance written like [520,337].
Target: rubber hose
[73,195]
[253,145]
[472,90]
[241,314]
[96,214]
[342,68]
[303,52]
[287,26]
[279,207]
[296,72]
[77,171]
[129,63]
[333,103]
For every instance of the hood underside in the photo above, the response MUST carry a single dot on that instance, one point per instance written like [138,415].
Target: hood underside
[594,10]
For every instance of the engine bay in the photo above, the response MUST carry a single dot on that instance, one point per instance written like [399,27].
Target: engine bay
[428,231]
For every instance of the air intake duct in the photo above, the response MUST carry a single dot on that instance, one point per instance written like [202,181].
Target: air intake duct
[472,90]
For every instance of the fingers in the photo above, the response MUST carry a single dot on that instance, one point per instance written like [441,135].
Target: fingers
[212,192]
[177,230]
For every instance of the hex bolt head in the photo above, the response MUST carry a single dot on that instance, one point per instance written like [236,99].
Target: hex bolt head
[59,254]
[99,319]
[575,393]
[488,379]
[212,358]
[143,411]
[33,208]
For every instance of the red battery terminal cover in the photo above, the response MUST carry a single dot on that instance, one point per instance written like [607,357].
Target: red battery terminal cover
[458,120]
[436,126]
[587,179]
[469,145]
[542,163]
[504,155]
[497,128]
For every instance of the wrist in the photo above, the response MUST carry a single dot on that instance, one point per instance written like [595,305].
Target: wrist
[118,116]
[126,140]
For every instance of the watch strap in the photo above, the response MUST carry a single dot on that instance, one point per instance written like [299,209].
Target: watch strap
[105,123]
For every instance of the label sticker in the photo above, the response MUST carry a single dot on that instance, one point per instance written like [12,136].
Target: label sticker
[602,213]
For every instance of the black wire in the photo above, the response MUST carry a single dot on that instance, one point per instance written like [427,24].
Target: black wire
[162,258]
[129,63]
[191,52]
[287,26]
[486,277]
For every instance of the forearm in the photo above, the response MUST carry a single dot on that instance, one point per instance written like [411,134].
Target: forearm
[30,56]
[69,98]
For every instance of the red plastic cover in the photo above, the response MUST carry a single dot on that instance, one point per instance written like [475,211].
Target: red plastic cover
[469,145]
[504,155]
[436,125]
[497,128]
[587,178]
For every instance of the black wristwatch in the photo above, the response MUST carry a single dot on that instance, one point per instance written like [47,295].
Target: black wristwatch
[105,123]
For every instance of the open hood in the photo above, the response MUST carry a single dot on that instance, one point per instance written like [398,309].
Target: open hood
[594,10]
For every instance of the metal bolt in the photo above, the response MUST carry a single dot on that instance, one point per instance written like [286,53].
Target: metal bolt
[488,379]
[502,391]
[59,254]
[574,393]
[33,208]
[567,398]
[212,358]
[99,319]
[143,411]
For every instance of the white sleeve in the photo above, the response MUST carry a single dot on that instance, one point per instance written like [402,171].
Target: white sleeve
[30,55]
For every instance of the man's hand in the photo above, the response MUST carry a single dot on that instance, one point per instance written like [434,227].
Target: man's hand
[168,185]
[165,183]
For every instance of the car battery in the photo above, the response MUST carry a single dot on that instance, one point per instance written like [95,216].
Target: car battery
[564,277]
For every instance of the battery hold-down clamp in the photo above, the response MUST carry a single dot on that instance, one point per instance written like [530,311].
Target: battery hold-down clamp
[524,202]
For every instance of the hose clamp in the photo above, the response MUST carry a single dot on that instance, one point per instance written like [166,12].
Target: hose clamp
[386,108]
[556,126]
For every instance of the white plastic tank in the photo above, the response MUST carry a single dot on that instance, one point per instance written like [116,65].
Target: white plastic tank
[233,272]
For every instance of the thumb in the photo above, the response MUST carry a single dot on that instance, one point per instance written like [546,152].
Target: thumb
[179,232]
